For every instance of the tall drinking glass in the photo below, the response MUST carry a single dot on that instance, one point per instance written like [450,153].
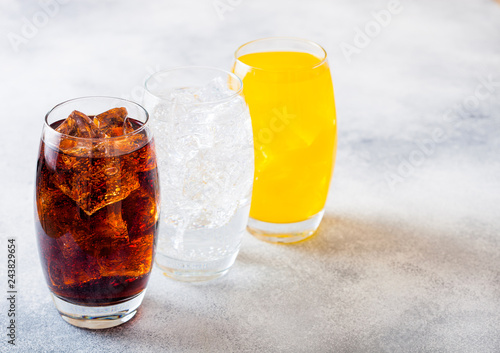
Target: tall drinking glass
[288,88]
[205,154]
[97,208]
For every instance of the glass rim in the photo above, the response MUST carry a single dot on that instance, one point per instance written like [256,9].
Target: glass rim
[297,39]
[198,67]
[140,129]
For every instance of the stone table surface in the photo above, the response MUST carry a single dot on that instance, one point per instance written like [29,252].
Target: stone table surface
[407,258]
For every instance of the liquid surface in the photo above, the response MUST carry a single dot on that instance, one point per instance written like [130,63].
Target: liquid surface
[290,96]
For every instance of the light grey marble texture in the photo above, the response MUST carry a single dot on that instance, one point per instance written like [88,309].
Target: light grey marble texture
[407,258]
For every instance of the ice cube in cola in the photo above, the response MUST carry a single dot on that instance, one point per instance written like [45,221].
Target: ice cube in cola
[111,123]
[97,204]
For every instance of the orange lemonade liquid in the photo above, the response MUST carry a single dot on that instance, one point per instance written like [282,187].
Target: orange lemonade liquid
[290,96]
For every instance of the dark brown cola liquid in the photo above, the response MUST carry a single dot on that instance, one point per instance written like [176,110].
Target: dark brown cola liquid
[97,211]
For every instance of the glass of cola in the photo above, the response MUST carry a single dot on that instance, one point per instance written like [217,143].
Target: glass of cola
[97,205]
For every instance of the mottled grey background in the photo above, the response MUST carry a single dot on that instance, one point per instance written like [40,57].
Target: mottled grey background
[408,256]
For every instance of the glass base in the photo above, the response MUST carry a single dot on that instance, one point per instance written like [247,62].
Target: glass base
[285,233]
[194,271]
[98,317]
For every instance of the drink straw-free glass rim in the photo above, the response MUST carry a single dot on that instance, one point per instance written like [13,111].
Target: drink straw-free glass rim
[236,92]
[144,126]
[323,57]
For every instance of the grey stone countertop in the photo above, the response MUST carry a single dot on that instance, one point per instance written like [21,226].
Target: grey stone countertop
[407,258]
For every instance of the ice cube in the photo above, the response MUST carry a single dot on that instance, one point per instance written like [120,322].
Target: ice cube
[57,212]
[140,211]
[134,260]
[111,123]
[103,233]
[128,127]
[71,265]
[120,145]
[124,141]
[145,158]
[162,111]
[95,183]
[182,96]
[214,90]
[78,124]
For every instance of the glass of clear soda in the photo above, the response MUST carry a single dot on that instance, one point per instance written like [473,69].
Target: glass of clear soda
[204,141]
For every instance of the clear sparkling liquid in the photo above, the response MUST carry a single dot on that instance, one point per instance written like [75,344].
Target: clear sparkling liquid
[206,164]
